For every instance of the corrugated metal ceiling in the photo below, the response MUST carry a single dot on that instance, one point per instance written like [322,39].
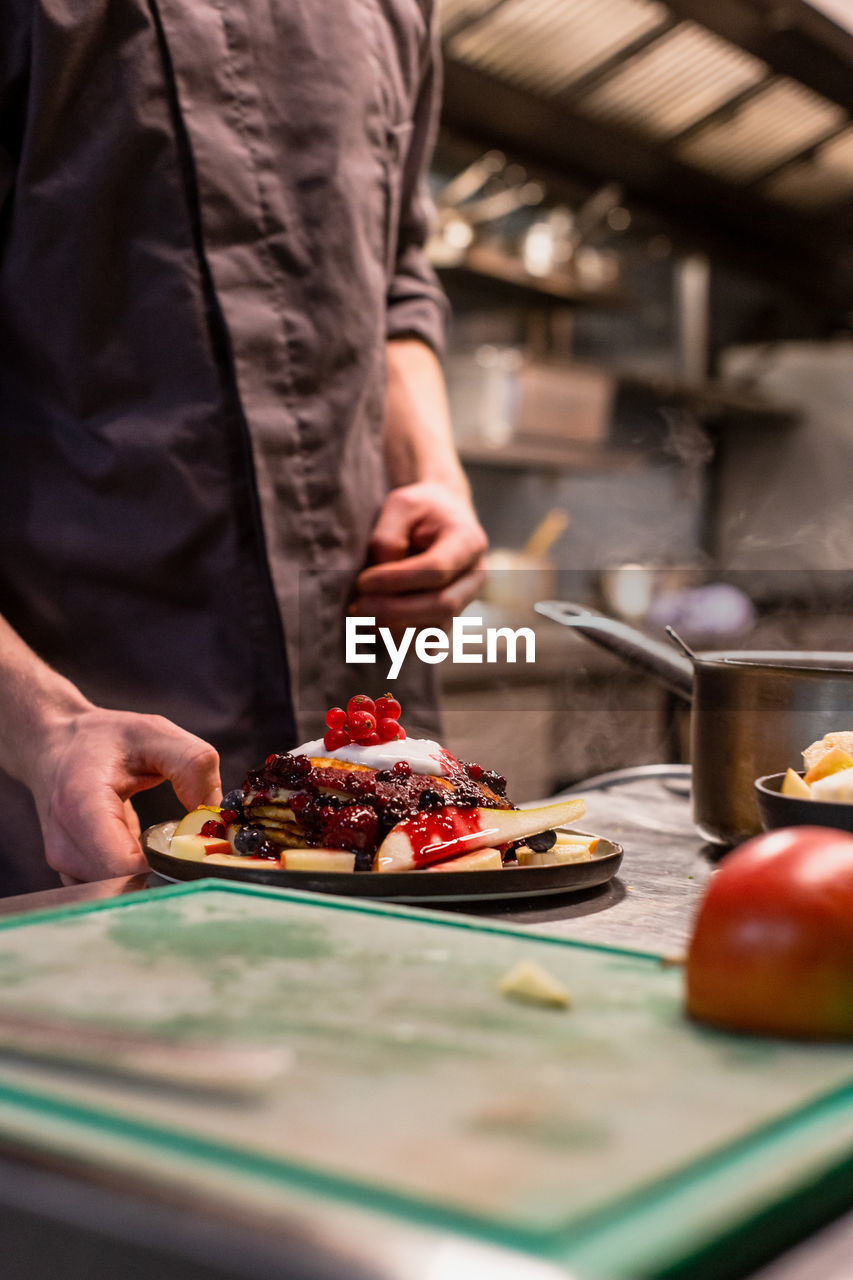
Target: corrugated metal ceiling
[826,178]
[545,45]
[631,65]
[682,77]
[777,123]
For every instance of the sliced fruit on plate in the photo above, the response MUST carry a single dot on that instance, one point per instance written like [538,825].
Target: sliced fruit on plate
[199,848]
[557,855]
[191,823]
[233,860]
[434,835]
[479,860]
[317,860]
[793,785]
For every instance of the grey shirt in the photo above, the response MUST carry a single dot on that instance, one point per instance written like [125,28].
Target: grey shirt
[211,220]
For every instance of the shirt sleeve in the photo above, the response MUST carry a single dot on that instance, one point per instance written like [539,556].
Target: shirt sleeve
[417,306]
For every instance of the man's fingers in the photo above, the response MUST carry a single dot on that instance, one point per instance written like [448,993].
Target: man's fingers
[131,817]
[189,763]
[423,608]
[91,831]
[98,848]
[453,553]
[391,535]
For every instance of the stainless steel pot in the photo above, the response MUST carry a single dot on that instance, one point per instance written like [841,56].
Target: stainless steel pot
[753,711]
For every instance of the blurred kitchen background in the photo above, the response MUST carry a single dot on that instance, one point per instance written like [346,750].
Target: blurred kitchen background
[644,226]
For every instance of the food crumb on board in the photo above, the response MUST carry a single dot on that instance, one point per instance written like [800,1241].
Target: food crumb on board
[528,981]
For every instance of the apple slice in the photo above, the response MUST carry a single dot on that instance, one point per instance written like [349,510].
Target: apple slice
[479,860]
[793,785]
[434,835]
[197,848]
[317,860]
[191,823]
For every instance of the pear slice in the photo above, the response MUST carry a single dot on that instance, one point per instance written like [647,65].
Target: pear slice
[191,823]
[411,843]
[479,860]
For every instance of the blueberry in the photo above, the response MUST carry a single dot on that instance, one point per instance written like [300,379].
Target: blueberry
[248,840]
[542,841]
[430,799]
[232,806]
[495,782]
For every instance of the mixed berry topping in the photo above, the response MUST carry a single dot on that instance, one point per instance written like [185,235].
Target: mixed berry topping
[335,804]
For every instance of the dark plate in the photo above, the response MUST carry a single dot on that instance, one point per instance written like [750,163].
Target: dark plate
[406,886]
[790,811]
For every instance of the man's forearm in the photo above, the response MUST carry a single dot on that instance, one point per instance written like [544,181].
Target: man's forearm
[34,701]
[419,445]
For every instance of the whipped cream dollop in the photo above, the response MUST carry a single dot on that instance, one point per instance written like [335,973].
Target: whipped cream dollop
[421,754]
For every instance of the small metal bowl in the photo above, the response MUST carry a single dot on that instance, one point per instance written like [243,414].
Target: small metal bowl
[793,811]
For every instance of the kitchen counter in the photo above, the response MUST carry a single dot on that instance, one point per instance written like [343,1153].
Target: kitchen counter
[93,1226]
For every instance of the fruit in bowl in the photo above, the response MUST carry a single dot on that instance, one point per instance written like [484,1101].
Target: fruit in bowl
[366,797]
[821,793]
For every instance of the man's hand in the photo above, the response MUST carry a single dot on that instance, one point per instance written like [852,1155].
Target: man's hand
[428,545]
[427,549]
[87,771]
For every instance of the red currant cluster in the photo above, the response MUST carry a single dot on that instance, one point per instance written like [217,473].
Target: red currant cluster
[365,722]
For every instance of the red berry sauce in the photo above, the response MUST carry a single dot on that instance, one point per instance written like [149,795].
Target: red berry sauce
[443,834]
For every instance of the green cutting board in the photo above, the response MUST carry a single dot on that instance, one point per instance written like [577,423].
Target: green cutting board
[613,1136]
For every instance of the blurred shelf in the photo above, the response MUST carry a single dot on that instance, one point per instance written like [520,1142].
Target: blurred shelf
[484,263]
[712,401]
[526,453]
[715,404]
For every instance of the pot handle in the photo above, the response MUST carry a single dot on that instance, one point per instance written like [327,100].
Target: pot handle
[635,648]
